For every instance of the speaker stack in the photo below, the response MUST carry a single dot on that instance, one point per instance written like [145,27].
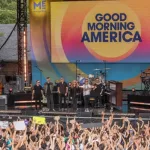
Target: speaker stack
[3,102]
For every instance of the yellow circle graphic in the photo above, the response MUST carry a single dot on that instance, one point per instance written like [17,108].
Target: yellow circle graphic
[111,51]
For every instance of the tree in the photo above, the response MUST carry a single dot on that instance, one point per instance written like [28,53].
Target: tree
[8,11]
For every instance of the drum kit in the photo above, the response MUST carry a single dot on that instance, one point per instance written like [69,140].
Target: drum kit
[100,74]
[97,73]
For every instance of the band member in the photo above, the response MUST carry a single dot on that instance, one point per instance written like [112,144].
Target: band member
[55,94]
[63,91]
[79,91]
[99,83]
[48,88]
[99,91]
[37,94]
[93,94]
[74,91]
[69,89]
[86,94]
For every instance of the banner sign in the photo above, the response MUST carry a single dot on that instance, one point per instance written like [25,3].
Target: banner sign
[94,31]
[39,120]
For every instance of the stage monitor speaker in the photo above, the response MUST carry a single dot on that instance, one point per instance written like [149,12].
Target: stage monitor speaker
[3,107]
[3,100]
[30,112]
[84,114]
[144,115]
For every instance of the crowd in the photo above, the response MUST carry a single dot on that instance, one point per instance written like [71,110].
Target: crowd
[111,135]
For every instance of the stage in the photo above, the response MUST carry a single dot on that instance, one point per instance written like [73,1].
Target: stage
[20,104]
[93,116]
[29,113]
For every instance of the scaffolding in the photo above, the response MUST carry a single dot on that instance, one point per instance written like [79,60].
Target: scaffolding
[22,39]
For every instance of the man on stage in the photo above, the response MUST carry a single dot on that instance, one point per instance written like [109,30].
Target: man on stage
[63,91]
[99,92]
[37,94]
[48,88]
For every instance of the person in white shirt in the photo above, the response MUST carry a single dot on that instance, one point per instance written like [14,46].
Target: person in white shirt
[86,94]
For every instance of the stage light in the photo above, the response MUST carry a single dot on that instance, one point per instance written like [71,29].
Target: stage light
[10,90]
[25,55]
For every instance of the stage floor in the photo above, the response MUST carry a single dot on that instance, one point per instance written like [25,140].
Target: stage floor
[94,116]
[84,118]
[93,112]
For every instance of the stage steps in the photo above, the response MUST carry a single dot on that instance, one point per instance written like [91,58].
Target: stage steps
[139,103]
[22,101]
[23,104]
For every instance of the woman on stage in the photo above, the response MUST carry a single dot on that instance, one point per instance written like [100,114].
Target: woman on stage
[74,91]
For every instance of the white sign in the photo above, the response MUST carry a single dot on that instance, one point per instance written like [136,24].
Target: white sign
[4,124]
[19,125]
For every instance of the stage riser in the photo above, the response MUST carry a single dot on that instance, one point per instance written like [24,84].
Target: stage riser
[25,107]
[84,114]
[139,103]
[58,113]
[139,106]
[25,104]
[145,115]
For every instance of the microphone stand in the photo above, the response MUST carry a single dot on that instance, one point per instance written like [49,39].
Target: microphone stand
[68,99]
[141,81]
[77,69]
[105,71]
[104,86]
[111,106]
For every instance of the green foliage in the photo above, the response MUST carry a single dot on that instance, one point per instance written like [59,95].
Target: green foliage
[8,11]
[1,34]
[8,5]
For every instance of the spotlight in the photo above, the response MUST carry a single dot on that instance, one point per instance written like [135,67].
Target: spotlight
[10,90]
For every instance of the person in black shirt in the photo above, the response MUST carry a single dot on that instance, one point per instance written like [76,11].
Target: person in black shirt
[93,94]
[99,84]
[37,93]
[48,88]
[56,95]
[99,91]
[63,91]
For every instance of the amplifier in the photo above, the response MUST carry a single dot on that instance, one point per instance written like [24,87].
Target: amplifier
[3,107]
[3,100]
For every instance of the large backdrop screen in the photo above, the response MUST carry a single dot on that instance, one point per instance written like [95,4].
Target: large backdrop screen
[116,31]
[93,31]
